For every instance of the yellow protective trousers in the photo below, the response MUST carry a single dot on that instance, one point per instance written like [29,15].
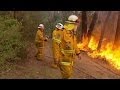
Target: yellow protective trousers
[56,52]
[40,51]
[56,41]
[66,65]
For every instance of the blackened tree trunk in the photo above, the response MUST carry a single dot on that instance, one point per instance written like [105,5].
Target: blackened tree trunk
[84,24]
[91,27]
[117,35]
[102,31]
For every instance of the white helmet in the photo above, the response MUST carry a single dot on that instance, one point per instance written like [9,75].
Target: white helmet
[41,26]
[59,26]
[73,18]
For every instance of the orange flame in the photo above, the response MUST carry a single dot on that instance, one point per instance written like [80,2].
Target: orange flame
[112,56]
[92,44]
[82,46]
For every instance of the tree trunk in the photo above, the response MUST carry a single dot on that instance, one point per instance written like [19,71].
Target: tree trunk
[91,27]
[117,35]
[102,31]
[84,25]
[14,14]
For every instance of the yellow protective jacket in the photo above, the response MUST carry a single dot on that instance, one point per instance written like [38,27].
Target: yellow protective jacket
[69,42]
[56,41]
[56,36]
[39,39]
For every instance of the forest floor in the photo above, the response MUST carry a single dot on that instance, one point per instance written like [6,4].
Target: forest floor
[86,68]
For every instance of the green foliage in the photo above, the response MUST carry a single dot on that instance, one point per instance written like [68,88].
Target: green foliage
[11,43]
[32,19]
[30,24]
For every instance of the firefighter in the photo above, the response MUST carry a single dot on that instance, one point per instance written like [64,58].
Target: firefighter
[69,47]
[56,40]
[39,42]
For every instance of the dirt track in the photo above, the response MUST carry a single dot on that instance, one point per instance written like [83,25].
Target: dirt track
[86,68]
